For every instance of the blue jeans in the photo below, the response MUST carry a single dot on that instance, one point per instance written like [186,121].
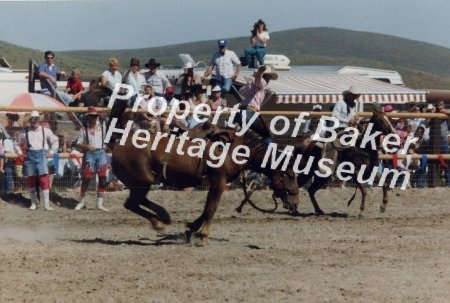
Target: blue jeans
[249,114]
[65,98]
[95,159]
[6,179]
[445,151]
[225,84]
[255,51]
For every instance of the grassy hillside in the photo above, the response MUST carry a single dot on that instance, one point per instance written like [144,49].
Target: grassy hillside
[422,65]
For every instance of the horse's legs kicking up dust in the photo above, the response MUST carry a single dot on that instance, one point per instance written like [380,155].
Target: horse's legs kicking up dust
[200,227]
[137,198]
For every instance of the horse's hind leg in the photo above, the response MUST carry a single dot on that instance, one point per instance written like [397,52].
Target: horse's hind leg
[385,198]
[133,203]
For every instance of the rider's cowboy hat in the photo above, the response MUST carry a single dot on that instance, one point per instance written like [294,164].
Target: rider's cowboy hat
[152,62]
[92,111]
[351,91]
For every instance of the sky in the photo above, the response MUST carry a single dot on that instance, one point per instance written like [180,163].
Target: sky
[101,24]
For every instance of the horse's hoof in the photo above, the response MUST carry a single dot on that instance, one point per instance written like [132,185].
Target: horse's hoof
[360,216]
[382,209]
[157,225]
[165,218]
[201,240]
[187,236]
[319,212]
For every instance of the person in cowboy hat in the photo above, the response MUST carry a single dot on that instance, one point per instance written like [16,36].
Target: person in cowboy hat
[156,78]
[345,109]
[254,93]
[90,141]
[223,61]
[186,80]
[41,143]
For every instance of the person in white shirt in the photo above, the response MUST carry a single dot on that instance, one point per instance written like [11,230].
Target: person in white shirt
[90,141]
[41,143]
[112,76]
[345,110]
[223,61]
[259,39]
[134,78]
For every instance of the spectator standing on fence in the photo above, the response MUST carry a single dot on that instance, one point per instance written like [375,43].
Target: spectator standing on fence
[227,66]
[49,72]
[41,144]
[90,141]
[156,78]
[259,39]
[444,132]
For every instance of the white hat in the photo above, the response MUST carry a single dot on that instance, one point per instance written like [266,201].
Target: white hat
[317,107]
[352,90]
[430,106]
[188,65]
[34,114]
[216,89]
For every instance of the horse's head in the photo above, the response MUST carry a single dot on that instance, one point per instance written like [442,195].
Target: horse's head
[381,122]
[284,186]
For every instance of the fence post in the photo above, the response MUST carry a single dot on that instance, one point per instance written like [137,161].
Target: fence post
[434,179]
[31,73]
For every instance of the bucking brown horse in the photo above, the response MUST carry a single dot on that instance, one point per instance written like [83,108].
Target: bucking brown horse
[355,154]
[177,165]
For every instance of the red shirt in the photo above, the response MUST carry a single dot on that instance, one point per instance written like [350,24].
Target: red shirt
[74,85]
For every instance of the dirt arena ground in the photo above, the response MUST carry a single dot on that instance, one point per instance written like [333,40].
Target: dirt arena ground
[93,256]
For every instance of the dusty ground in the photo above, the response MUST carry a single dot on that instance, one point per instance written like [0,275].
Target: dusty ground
[92,256]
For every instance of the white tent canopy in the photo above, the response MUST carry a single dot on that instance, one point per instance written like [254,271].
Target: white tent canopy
[326,88]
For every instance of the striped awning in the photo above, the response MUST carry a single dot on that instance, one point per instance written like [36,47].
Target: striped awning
[326,88]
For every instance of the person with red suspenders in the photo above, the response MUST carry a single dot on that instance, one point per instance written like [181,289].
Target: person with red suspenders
[41,143]
[90,141]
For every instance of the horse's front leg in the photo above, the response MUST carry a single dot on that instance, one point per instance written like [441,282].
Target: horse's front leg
[200,227]
[385,198]
[312,189]
[133,203]
[363,190]
[385,194]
